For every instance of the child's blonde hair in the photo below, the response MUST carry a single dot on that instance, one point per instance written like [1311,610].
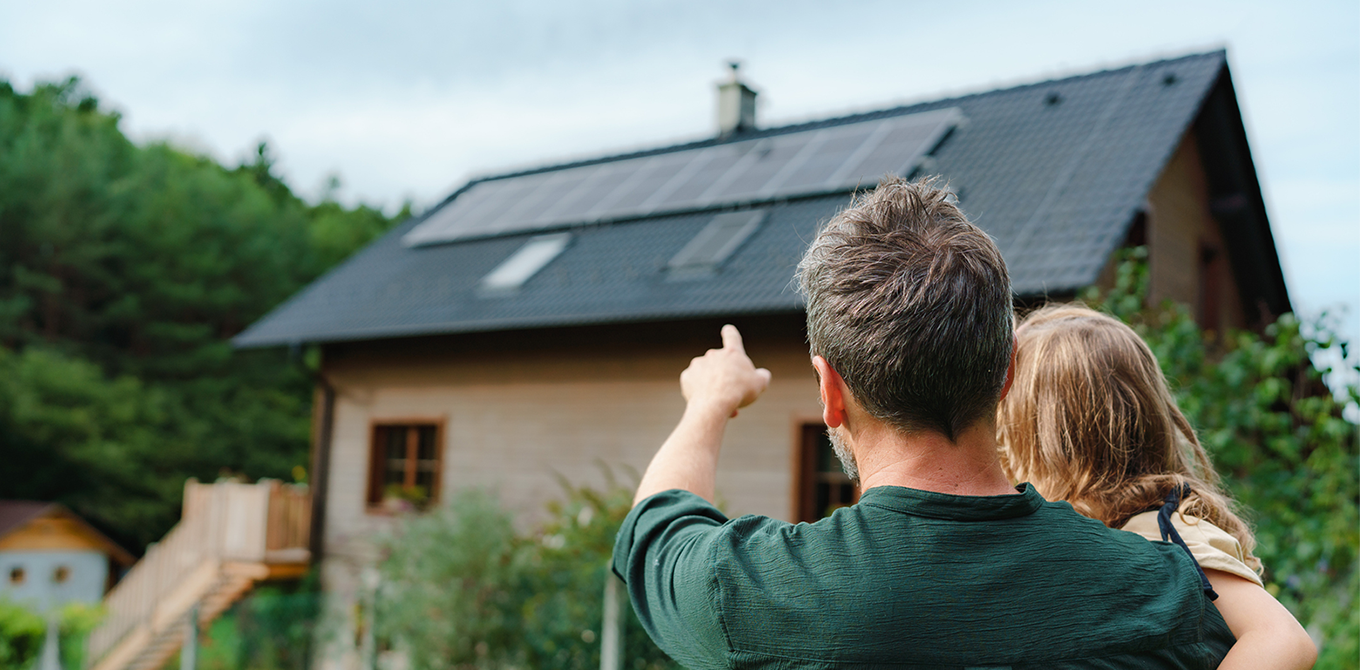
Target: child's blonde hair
[1089,419]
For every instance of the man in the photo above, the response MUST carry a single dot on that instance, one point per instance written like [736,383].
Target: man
[942,563]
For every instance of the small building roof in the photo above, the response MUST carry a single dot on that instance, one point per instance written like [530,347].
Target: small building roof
[15,515]
[1055,171]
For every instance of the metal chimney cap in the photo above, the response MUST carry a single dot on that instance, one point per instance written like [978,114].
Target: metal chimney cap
[736,103]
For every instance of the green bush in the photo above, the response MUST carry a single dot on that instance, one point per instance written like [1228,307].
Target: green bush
[23,632]
[1278,437]
[21,635]
[272,628]
[461,588]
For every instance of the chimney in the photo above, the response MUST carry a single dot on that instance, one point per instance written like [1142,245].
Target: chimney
[736,104]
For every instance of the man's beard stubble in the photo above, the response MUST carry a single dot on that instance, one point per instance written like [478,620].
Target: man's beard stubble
[843,453]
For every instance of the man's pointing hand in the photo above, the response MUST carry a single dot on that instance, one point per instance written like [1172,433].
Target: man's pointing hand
[724,379]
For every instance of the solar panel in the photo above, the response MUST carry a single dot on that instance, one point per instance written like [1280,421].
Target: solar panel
[721,159]
[838,146]
[596,186]
[657,173]
[819,160]
[768,161]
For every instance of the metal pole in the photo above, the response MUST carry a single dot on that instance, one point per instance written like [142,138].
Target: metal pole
[368,644]
[188,652]
[51,651]
[611,638]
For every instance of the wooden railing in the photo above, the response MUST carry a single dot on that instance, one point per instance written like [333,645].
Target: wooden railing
[222,524]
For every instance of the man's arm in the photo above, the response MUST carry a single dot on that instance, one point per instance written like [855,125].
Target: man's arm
[715,386]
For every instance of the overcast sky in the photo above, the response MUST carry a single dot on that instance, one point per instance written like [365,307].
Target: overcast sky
[406,100]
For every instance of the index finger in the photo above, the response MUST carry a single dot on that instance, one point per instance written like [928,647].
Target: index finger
[731,338]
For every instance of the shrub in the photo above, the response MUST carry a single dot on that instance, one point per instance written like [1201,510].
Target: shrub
[461,588]
[272,628]
[23,632]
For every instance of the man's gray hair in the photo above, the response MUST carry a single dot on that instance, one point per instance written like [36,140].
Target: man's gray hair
[911,304]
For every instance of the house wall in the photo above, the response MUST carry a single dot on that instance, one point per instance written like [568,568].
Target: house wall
[87,571]
[1180,227]
[517,414]
[515,420]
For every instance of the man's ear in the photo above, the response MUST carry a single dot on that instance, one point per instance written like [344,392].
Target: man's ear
[833,392]
[1010,369]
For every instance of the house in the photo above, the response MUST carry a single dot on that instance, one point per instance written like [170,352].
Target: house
[533,324]
[49,556]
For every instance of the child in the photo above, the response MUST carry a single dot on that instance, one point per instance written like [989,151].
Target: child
[1089,420]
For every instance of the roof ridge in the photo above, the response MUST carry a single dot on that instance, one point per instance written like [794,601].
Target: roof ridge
[844,119]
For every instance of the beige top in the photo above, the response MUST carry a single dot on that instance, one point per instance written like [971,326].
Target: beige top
[1212,546]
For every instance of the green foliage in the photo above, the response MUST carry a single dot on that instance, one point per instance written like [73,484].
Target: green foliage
[462,589]
[451,583]
[124,271]
[1278,437]
[567,564]
[272,628]
[23,632]
[77,620]
[21,635]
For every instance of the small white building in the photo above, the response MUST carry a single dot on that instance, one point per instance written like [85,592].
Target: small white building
[50,557]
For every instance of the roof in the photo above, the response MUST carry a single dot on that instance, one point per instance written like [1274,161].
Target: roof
[1054,171]
[15,514]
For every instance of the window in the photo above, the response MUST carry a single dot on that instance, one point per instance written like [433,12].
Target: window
[61,575]
[822,485]
[718,240]
[524,263]
[1210,285]
[16,576]
[404,465]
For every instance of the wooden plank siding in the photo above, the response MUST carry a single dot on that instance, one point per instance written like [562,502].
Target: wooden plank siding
[514,420]
[1180,229]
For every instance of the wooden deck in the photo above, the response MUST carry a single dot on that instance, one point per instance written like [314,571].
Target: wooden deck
[230,537]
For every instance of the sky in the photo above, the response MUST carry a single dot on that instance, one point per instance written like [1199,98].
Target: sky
[406,100]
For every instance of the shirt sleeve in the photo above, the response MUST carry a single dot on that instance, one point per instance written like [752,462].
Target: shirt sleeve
[664,555]
[1213,547]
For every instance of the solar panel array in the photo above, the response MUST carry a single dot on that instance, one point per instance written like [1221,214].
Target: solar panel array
[799,163]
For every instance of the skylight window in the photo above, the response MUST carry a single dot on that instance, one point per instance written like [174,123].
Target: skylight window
[715,243]
[525,263]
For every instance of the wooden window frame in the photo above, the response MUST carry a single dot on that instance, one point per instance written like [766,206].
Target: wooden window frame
[806,432]
[377,461]
[1211,280]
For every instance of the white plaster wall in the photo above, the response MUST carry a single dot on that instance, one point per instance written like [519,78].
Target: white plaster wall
[88,573]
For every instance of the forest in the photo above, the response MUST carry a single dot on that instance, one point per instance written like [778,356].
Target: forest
[124,270]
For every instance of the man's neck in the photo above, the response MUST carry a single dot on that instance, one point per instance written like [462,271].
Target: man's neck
[928,461]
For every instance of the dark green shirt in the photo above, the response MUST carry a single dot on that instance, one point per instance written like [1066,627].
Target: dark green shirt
[913,579]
